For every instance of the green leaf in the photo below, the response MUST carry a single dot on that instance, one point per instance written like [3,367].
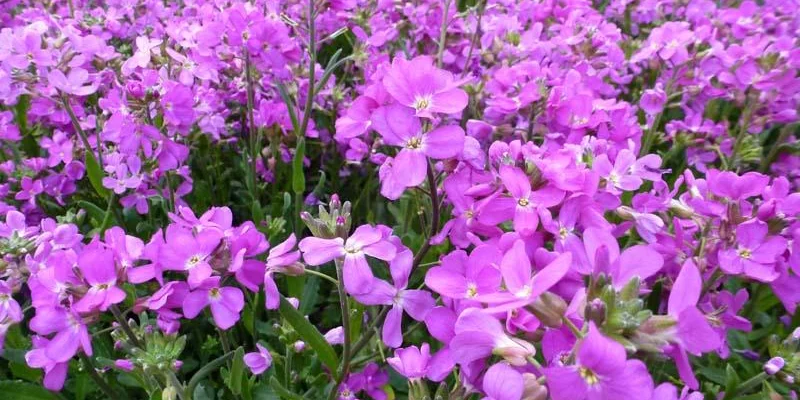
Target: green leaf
[95,212]
[212,366]
[282,391]
[95,174]
[310,335]
[298,175]
[237,372]
[18,390]
[264,392]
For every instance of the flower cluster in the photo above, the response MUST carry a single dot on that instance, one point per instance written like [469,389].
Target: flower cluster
[354,199]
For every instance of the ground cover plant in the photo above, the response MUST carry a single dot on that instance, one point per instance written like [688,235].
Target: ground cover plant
[391,199]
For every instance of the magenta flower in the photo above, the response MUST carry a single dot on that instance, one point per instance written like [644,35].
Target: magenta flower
[503,382]
[522,287]
[524,204]
[416,303]
[55,372]
[15,225]
[418,84]
[9,308]
[601,372]
[466,277]
[226,302]
[71,333]
[399,127]
[280,259]
[366,240]
[411,362]
[694,334]
[620,175]
[480,335]
[184,251]
[97,267]
[755,255]
[602,255]
[258,361]
[371,380]
[73,83]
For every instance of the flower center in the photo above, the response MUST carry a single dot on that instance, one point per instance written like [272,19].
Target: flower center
[745,253]
[563,232]
[214,293]
[524,292]
[523,202]
[613,177]
[103,286]
[414,143]
[351,249]
[472,290]
[4,297]
[589,376]
[422,103]
[193,260]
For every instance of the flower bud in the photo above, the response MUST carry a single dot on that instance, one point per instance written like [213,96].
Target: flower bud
[125,365]
[533,389]
[549,308]
[170,393]
[774,365]
[515,351]
[595,310]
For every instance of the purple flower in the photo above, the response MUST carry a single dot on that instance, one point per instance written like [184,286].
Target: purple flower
[97,267]
[480,335]
[366,240]
[419,85]
[466,277]
[258,361]
[281,259]
[755,254]
[55,372]
[371,380]
[226,302]
[411,362]
[185,251]
[524,204]
[600,372]
[399,127]
[503,382]
[9,308]
[73,83]
[416,303]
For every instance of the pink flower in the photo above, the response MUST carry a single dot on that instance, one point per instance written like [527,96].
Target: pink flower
[755,255]
[502,382]
[226,302]
[418,84]
[366,240]
[97,267]
[399,127]
[185,251]
[416,303]
[601,372]
[258,361]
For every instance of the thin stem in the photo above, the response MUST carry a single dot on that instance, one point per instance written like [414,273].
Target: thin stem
[443,33]
[369,332]
[323,276]
[345,307]
[125,327]
[474,41]
[107,217]
[77,126]
[434,217]
[254,136]
[747,114]
[312,49]
[574,329]
[97,378]
[747,385]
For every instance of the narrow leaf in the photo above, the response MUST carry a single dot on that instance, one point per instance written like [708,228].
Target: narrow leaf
[310,335]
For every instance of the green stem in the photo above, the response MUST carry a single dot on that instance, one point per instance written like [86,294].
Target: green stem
[125,327]
[97,378]
[433,192]
[346,350]
[747,114]
[77,126]
[443,33]
[474,41]
[370,331]
[323,276]
[574,329]
[254,134]
[107,216]
[205,371]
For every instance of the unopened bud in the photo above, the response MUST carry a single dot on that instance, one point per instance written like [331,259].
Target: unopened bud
[626,213]
[515,351]
[680,209]
[774,365]
[170,393]
[294,269]
[533,389]
[549,308]
[595,311]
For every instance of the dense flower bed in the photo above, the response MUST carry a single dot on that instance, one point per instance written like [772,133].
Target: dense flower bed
[388,199]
